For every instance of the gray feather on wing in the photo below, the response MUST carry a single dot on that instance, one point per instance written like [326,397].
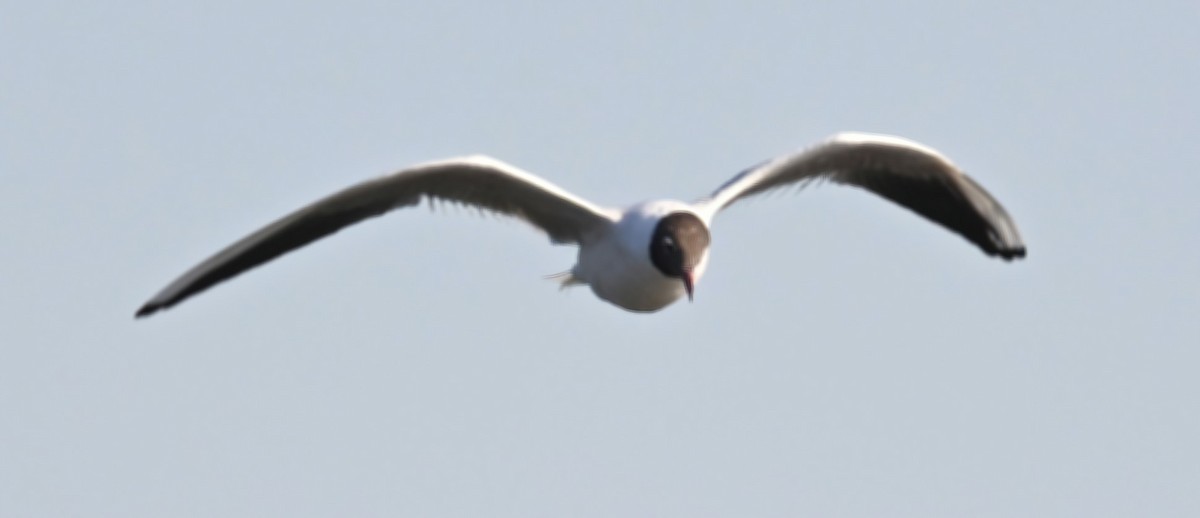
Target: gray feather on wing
[908,173]
[475,181]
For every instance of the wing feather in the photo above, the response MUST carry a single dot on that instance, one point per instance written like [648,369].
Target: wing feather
[477,181]
[910,174]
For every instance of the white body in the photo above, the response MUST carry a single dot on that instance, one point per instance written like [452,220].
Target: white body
[614,262]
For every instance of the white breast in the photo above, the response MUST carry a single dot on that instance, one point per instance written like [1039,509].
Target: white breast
[617,265]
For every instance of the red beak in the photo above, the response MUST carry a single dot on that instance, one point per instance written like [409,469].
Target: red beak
[688,283]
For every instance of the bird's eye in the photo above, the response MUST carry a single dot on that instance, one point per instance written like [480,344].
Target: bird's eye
[669,243]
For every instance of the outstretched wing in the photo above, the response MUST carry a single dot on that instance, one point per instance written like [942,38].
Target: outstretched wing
[478,181]
[910,174]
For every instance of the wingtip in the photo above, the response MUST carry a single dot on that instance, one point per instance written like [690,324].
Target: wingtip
[1009,254]
[147,310]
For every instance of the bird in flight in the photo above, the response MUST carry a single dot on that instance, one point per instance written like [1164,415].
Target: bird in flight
[644,257]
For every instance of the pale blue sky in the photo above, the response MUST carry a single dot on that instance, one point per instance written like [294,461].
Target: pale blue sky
[852,361]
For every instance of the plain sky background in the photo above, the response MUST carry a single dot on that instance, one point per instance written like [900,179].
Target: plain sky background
[842,358]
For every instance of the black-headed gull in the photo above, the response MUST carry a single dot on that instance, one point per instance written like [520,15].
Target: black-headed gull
[648,255]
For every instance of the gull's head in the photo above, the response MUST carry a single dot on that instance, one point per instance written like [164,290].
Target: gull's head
[678,246]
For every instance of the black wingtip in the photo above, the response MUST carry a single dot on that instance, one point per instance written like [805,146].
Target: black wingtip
[1008,254]
[147,310]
